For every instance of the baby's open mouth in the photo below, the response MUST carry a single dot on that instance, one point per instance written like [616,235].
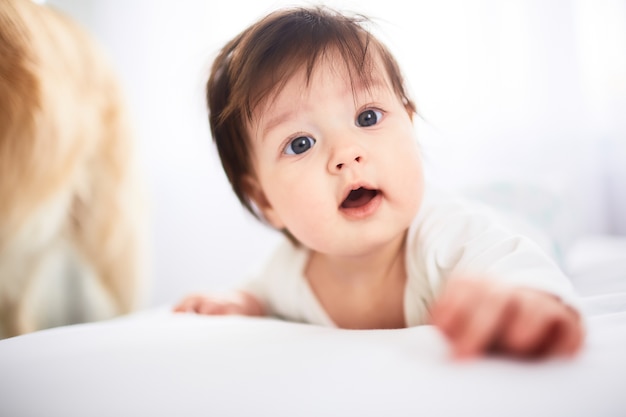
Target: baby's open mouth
[359,197]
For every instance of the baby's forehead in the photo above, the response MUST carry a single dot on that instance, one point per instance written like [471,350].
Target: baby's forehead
[358,82]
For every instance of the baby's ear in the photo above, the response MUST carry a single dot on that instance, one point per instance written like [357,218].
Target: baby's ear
[254,191]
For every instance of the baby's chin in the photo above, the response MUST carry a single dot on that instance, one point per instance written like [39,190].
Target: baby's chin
[358,245]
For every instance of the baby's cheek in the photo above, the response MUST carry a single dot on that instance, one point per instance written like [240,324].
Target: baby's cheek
[308,221]
[411,180]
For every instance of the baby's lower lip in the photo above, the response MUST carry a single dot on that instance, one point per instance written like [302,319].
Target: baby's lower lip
[364,210]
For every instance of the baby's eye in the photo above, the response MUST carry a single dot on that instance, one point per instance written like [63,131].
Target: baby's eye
[368,118]
[299,145]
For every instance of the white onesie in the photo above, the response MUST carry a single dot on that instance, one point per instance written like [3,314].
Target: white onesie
[448,236]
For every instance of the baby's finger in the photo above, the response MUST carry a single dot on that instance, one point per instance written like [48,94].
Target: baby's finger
[211,307]
[532,328]
[186,306]
[569,334]
[483,327]
[452,310]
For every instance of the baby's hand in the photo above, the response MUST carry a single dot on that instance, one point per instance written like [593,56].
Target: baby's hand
[239,302]
[480,315]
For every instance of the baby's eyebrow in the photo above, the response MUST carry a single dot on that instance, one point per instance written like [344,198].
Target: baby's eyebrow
[275,121]
[359,88]
[368,85]
[374,89]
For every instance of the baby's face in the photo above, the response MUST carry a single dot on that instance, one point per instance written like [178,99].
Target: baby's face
[341,171]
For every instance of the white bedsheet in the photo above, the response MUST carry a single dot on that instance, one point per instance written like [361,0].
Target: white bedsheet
[157,363]
[161,364]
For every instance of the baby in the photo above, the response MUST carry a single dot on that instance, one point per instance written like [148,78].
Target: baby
[314,128]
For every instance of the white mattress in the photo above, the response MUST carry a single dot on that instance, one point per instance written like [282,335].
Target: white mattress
[160,364]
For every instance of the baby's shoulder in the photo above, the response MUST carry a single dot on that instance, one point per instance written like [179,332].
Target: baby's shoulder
[286,255]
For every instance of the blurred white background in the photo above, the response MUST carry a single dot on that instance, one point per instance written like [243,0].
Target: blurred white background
[524,103]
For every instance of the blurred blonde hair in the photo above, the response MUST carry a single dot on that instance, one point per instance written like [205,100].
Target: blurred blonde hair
[71,246]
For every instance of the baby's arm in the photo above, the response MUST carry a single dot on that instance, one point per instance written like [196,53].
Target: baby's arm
[237,302]
[482,315]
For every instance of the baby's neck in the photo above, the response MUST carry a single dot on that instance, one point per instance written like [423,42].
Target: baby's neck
[363,292]
[365,269]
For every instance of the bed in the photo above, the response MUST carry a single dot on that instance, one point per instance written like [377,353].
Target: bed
[156,363]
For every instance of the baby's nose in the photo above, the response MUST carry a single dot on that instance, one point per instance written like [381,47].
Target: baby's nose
[346,155]
[340,165]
